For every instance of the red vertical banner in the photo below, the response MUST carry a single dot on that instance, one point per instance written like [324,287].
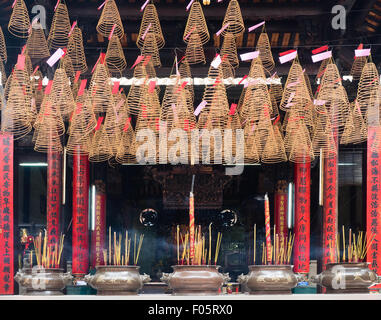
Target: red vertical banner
[302,176]
[280,208]
[80,240]
[98,235]
[6,214]
[373,198]
[330,213]
[53,196]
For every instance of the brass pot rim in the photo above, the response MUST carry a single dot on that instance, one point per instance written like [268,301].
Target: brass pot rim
[271,266]
[117,267]
[198,266]
[364,263]
[43,270]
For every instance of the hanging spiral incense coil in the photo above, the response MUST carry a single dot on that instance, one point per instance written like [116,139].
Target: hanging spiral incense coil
[276,89]
[229,49]
[150,18]
[357,66]
[227,70]
[3,74]
[110,16]
[100,91]
[233,17]
[100,149]
[195,51]
[251,150]
[150,48]
[274,151]
[265,54]
[298,143]
[115,59]
[322,68]
[76,51]
[301,112]
[69,69]
[127,148]
[338,109]
[3,47]
[28,65]
[233,154]
[60,28]
[196,24]
[355,130]
[36,46]
[149,112]
[134,95]
[19,22]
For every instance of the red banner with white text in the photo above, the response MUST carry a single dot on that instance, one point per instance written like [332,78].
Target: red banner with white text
[280,208]
[98,235]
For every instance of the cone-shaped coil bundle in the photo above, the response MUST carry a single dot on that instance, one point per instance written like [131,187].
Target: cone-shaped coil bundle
[76,50]
[150,18]
[60,28]
[228,71]
[110,16]
[251,146]
[100,91]
[115,59]
[150,48]
[196,24]
[3,48]
[36,46]
[195,51]
[149,113]
[100,149]
[355,130]
[357,66]
[274,151]
[229,50]
[233,17]
[127,148]
[68,66]
[264,48]
[234,153]
[19,22]
[298,143]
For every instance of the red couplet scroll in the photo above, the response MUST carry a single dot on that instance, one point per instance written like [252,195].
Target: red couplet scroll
[6,214]
[80,215]
[302,176]
[280,208]
[98,235]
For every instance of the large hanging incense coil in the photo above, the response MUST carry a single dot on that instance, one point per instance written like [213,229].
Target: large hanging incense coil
[233,17]
[112,130]
[28,65]
[229,50]
[110,16]
[265,54]
[276,89]
[69,69]
[15,116]
[196,24]
[355,130]
[76,51]
[367,89]
[48,140]
[195,51]
[134,95]
[149,112]
[233,124]
[36,46]
[338,110]
[357,66]
[274,151]
[127,148]
[3,48]
[300,112]
[322,68]
[115,59]
[60,28]
[257,71]
[330,81]
[228,71]
[19,22]
[100,149]
[298,144]
[150,48]
[61,94]
[150,18]
[251,145]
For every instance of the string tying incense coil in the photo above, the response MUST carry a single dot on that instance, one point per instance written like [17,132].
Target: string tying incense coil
[195,51]
[60,28]
[19,22]
[229,48]
[264,48]
[3,47]
[233,17]
[150,48]
[36,46]
[110,16]
[150,17]
[76,51]
[100,91]
[368,89]
[251,150]
[196,24]
[357,66]
[61,94]
[115,59]
[355,130]
[274,151]
[127,148]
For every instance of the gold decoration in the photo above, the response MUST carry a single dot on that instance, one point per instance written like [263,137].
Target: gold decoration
[19,22]
[110,16]
[60,28]
[115,59]
[76,51]
[233,17]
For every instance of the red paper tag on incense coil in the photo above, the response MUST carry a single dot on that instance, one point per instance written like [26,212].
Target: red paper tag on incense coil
[82,87]
[138,60]
[35,70]
[244,77]
[79,107]
[182,86]
[49,87]
[319,50]
[55,8]
[120,91]
[186,124]
[151,87]
[286,53]
[189,33]
[77,75]
[276,120]
[101,6]
[39,88]
[232,109]
[14,3]
[72,28]
[112,31]
[127,125]
[99,123]
[20,62]
[157,124]
[115,87]
[146,60]
[144,111]
[218,81]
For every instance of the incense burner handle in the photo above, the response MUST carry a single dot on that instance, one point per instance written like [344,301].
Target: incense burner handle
[18,277]
[145,278]
[67,278]
[242,278]
[166,277]
[226,277]
[89,278]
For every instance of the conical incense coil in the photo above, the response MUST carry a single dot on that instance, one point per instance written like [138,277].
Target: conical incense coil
[301,147]
[110,16]
[3,74]
[196,24]
[256,100]
[61,94]
[149,113]
[233,156]
[127,148]
[36,46]
[338,109]
[3,47]
[251,150]
[19,22]
[331,80]
[357,66]
[83,120]
[367,89]
[100,90]
[264,48]
[60,28]
[300,112]
[48,140]
[150,20]
[15,117]
[115,59]
[195,51]
[355,130]
[150,48]
[112,130]
[227,70]
[322,68]
[100,149]
[276,89]
[134,95]
[233,17]
[28,65]
[229,50]
[69,69]
[76,51]
[274,151]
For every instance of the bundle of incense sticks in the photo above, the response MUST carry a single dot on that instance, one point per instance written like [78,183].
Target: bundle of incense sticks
[202,255]
[114,256]
[47,256]
[354,249]
[280,249]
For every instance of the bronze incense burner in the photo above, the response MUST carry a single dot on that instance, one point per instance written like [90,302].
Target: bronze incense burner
[41,281]
[117,280]
[195,280]
[347,278]
[270,279]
